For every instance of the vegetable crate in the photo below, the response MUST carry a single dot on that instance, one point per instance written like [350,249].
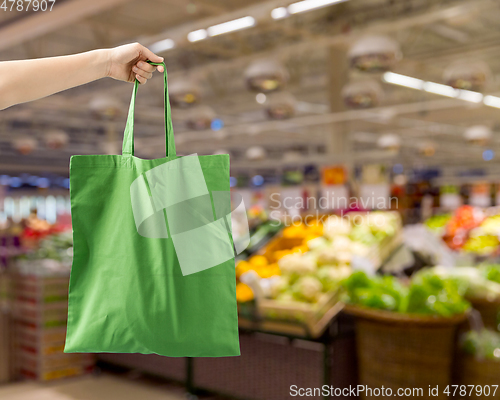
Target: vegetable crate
[404,351]
[381,251]
[5,344]
[40,312]
[313,318]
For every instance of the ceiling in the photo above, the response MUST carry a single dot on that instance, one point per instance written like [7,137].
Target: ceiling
[312,46]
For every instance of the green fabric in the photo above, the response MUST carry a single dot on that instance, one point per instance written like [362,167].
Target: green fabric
[128,292]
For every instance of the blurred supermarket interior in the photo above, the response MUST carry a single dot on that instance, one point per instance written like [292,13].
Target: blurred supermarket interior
[364,141]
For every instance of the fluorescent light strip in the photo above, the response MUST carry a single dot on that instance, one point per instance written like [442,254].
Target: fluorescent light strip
[162,45]
[198,35]
[443,90]
[468,95]
[279,13]
[492,101]
[438,88]
[403,80]
[307,5]
[231,26]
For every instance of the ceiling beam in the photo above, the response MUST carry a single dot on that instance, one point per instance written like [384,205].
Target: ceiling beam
[261,12]
[361,157]
[309,121]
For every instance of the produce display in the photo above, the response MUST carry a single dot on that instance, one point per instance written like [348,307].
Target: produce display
[460,224]
[267,267]
[482,344]
[482,245]
[473,281]
[426,293]
[437,223]
[310,259]
[260,235]
[53,254]
[483,240]
[469,229]
[491,272]
[37,229]
[57,246]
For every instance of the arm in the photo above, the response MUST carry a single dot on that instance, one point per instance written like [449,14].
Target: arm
[27,80]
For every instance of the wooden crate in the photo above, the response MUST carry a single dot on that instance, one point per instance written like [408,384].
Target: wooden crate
[6,366]
[313,318]
[40,310]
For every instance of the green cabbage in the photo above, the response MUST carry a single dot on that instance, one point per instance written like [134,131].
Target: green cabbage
[427,294]
[482,344]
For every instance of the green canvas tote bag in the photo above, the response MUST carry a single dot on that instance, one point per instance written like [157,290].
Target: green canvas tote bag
[153,267]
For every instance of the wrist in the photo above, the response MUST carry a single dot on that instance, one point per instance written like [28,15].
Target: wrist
[104,63]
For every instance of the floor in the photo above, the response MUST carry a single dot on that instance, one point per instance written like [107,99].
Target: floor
[103,387]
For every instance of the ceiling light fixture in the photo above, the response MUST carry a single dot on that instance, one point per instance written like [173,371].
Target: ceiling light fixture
[260,98]
[492,101]
[469,95]
[443,90]
[279,13]
[231,26]
[307,5]
[438,88]
[197,35]
[162,45]
[403,80]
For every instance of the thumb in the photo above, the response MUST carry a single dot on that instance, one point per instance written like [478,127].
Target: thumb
[152,56]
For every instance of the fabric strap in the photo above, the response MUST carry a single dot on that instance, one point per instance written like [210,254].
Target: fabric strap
[128,136]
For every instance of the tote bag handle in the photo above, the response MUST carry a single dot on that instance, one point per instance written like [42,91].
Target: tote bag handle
[128,136]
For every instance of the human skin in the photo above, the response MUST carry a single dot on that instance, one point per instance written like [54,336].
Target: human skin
[27,80]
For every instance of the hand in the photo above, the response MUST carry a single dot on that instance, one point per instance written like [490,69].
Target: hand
[128,63]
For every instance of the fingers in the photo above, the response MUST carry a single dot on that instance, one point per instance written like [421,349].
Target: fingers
[141,79]
[151,56]
[148,68]
[144,69]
